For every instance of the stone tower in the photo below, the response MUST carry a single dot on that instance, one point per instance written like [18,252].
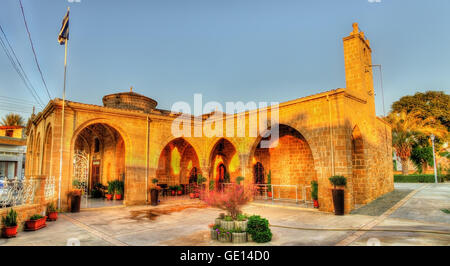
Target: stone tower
[358,67]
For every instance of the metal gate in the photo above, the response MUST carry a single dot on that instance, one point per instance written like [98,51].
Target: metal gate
[81,171]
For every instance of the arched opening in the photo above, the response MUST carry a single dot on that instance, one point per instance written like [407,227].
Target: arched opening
[224,163]
[258,173]
[290,162]
[178,164]
[358,167]
[99,158]
[47,152]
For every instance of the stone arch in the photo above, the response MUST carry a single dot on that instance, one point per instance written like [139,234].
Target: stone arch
[109,163]
[47,151]
[176,161]
[359,164]
[167,140]
[290,160]
[223,160]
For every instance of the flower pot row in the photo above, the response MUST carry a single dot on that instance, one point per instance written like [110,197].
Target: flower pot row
[113,196]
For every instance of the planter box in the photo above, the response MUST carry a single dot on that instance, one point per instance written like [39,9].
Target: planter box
[33,225]
[224,237]
[241,224]
[52,216]
[227,225]
[9,231]
[249,238]
[217,221]
[213,234]
[118,196]
[240,237]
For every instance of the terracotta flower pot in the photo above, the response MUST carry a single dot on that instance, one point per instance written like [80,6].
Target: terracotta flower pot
[269,194]
[197,195]
[180,192]
[109,196]
[118,196]
[191,195]
[9,231]
[52,216]
[316,203]
[34,225]
[173,192]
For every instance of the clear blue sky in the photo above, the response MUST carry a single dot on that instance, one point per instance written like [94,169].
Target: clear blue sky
[247,50]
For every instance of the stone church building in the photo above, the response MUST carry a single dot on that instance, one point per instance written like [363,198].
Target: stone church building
[331,133]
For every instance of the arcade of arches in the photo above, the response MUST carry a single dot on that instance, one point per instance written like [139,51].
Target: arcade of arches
[129,139]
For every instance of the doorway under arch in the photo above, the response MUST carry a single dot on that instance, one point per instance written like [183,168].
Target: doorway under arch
[224,163]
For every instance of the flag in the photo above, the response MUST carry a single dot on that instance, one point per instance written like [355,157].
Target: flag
[64,32]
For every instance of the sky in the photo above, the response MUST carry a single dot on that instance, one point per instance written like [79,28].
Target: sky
[227,50]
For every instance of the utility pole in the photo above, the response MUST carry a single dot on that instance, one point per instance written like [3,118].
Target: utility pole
[434,160]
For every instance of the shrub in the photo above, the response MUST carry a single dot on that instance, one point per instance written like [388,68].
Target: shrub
[10,219]
[239,179]
[262,237]
[414,178]
[228,218]
[241,217]
[119,187]
[36,217]
[111,187]
[51,207]
[314,190]
[211,185]
[230,200]
[269,181]
[259,229]
[338,180]
[200,179]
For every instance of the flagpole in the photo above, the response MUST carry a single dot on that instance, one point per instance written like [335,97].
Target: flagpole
[62,122]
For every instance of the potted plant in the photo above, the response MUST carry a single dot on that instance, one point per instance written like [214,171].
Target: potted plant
[154,192]
[269,182]
[239,179]
[36,222]
[119,189]
[241,222]
[314,193]
[191,192]
[179,189]
[220,218]
[172,190]
[97,190]
[211,185]
[339,182]
[239,236]
[223,235]
[200,180]
[75,196]
[111,190]
[227,223]
[52,212]
[9,224]
[214,228]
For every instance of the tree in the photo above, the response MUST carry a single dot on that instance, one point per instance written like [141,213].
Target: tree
[429,104]
[421,157]
[12,119]
[406,127]
[231,200]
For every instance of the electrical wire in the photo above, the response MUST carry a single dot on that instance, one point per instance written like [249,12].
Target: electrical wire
[18,68]
[32,48]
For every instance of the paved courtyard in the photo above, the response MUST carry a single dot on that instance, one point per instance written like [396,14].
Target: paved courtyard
[415,218]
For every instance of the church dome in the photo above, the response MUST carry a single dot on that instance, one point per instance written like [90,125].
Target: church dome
[129,101]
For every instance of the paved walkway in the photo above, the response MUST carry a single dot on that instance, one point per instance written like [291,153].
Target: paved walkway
[185,223]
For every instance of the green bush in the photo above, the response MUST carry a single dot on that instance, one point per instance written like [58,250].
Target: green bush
[10,219]
[239,179]
[338,180]
[262,237]
[228,218]
[241,217]
[259,229]
[314,190]
[36,217]
[414,178]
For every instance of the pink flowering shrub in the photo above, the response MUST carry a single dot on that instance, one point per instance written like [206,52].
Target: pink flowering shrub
[231,199]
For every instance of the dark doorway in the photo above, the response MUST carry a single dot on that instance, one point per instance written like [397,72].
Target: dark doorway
[193,176]
[258,173]
[220,179]
[95,173]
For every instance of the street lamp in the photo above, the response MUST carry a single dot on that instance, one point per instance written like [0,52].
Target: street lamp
[434,159]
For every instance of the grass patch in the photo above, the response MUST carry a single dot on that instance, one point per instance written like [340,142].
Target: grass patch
[383,203]
[414,178]
[447,211]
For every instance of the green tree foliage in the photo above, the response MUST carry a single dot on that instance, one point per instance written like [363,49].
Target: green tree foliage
[434,104]
[421,156]
[12,119]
